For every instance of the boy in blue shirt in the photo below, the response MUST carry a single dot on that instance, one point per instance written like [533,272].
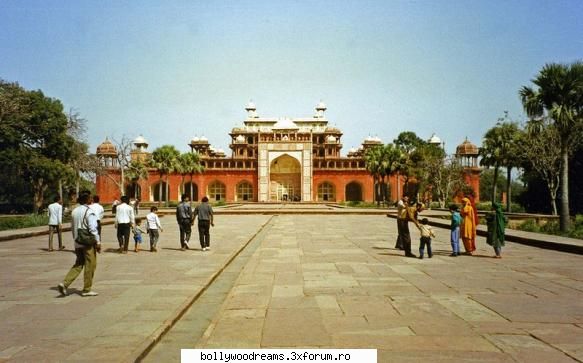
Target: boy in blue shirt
[456,220]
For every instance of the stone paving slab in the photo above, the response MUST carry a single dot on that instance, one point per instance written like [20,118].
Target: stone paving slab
[139,293]
[314,281]
[441,309]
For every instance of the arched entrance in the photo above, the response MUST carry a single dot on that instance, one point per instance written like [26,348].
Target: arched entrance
[353,192]
[134,190]
[155,192]
[191,189]
[285,179]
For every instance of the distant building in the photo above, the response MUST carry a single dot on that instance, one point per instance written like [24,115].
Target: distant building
[272,160]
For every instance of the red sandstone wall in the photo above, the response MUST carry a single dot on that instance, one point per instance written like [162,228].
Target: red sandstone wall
[340,179]
[108,190]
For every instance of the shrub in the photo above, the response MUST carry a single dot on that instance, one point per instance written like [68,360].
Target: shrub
[553,227]
[529,225]
[29,220]
[434,205]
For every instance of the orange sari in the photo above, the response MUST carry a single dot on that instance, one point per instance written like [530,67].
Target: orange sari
[468,226]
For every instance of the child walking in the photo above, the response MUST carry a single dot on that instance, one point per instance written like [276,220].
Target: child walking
[154,228]
[426,234]
[138,234]
[456,220]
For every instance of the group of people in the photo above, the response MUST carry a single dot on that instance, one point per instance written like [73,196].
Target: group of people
[463,226]
[86,221]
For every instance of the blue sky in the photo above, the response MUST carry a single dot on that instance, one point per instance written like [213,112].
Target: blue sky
[173,70]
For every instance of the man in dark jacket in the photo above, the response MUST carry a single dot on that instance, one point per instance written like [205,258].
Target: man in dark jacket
[204,212]
[185,220]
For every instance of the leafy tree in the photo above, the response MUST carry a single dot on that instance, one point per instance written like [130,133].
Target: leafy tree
[559,95]
[443,174]
[541,152]
[188,164]
[165,160]
[409,144]
[499,149]
[135,172]
[34,143]
[381,161]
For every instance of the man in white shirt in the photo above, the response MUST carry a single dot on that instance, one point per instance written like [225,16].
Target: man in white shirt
[83,217]
[99,212]
[56,222]
[124,221]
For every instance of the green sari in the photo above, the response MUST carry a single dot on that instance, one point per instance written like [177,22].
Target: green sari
[496,226]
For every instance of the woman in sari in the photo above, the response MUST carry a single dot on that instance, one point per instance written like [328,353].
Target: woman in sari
[496,225]
[468,226]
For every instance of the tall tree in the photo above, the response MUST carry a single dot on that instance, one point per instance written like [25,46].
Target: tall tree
[188,164]
[559,95]
[34,144]
[373,160]
[499,149]
[409,144]
[136,171]
[381,161]
[540,151]
[164,159]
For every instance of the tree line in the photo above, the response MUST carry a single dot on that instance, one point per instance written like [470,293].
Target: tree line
[543,147]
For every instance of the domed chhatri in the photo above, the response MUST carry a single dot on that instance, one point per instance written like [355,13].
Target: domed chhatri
[466,148]
[434,140]
[285,124]
[106,148]
[138,141]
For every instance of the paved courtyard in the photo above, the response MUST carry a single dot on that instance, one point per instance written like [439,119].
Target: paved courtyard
[330,281]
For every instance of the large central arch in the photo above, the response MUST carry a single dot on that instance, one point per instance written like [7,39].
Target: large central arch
[285,179]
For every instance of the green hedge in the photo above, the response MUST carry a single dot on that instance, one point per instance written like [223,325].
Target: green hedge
[553,227]
[29,220]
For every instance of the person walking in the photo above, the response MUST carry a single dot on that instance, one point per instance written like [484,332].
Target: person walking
[185,220]
[154,228]
[99,212]
[456,220]
[124,220]
[204,212]
[468,226]
[137,231]
[496,225]
[55,211]
[83,218]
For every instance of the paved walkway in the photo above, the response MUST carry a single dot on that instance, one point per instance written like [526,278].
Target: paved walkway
[303,281]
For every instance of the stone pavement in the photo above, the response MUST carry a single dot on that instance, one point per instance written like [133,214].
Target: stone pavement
[140,294]
[331,281]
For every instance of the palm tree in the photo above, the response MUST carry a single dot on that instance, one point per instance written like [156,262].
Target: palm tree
[136,171]
[559,95]
[189,164]
[373,159]
[164,159]
[409,144]
[391,157]
[381,161]
[499,150]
